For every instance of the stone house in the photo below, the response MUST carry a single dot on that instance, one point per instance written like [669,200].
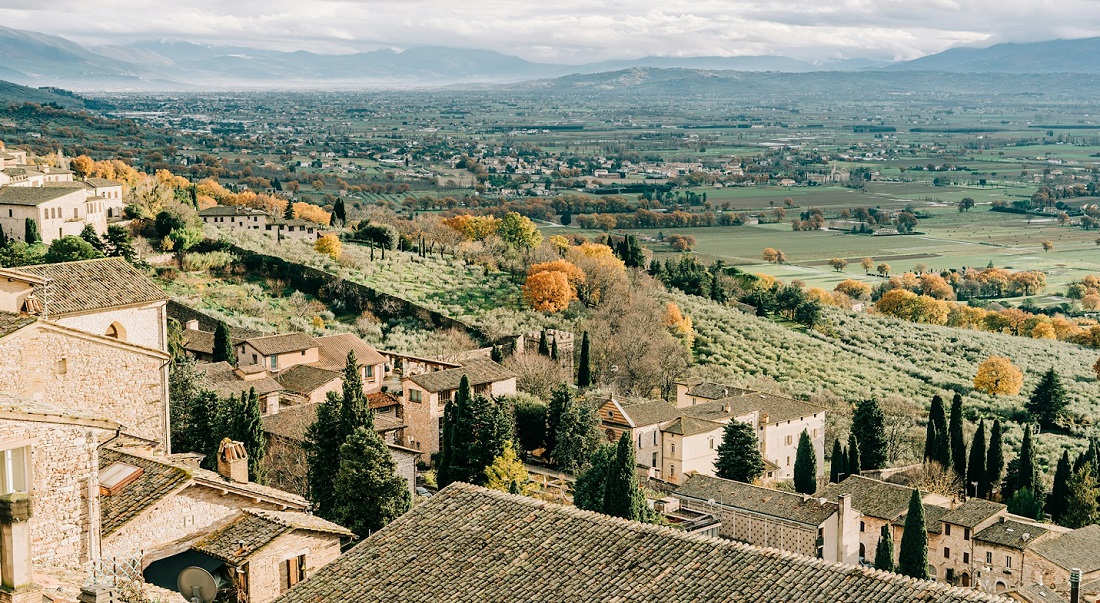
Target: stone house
[426,394]
[294,229]
[956,554]
[642,420]
[1050,560]
[775,519]
[1001,554]
[58,211]
[227,381]
[278,353]
[105,296]
[235,217]
[111,193]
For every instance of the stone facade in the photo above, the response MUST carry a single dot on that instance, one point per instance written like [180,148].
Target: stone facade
[264,569]
[145,325]
[424,411]
[114,380]
[65,215]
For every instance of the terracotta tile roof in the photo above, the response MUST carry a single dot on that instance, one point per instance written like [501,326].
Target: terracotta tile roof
[1077,549]
[292,422]
[649,412]
[716,391]
[208,323]
[479,372]
[383,400]
[765,501]
[201,342]
[158,480]
[689,426]
[933,518]
[10,323]
[31,195]
[224,381]
[206,477]
[306,378]
[94,285]
[257,528]
[973,512]
[333,351]
[1009,533]
[231,210]
[282,344]
[473,544]
[871,496]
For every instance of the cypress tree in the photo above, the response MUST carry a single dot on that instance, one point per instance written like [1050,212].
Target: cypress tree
[554,349]
[588,492]
[940,449]
[584,371]
[1081,499]
[323,456]
[958,441]
[913,558]
[354,408]
[1048,401]
[247,428]
[491,426]
[930,441]
[854,462]
[3,239]
[805,466]
[339,213]
[1027,473]
[995,460]
[1056,502]
[622,497]
[560,401]
[454,455]
[369,493]
[496,354]
[223,345]
[204,426]
[869,424]
[884,550]
[975,469]
[739,456]
[578,436]
[288,213]
[30,232]
[544,344]
[838,463]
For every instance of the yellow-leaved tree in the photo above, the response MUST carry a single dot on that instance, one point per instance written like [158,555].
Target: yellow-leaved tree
[998,376]
[329,245]
[507,473]
[548,291]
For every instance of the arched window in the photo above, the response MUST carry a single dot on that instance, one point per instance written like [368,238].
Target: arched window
[964,580]
[862,551]
[116,331]
[610,433]
[1001,587]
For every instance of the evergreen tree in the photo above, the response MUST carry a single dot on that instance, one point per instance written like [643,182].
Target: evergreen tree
[1080,498]
[323,456]
[884,551]
[805,466]
[584,370]
[90,236]
[913,558]
[354,407]
[369,492]
[288,213]
[1048,401]
[507,473]
[544,344]
[223,345]
[930,441]
[30,232]
[496,354]
[1056,502]
[1024,502]
[976,480]
[492,428]
[204,426]
[1027,475]
[869,424]
[739,455]
[854,462]
[3,239]
[957,440]
[995,460]
[453,456]
[622,497]
[246,427]
[578,437]
[339,213]
[939,450]
[119,243]
[588,492]
[554,349]
[560,401]
[838,463]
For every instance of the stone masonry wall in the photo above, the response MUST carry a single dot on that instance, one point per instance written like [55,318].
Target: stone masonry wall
[263,568]
[145,326]
[110,381]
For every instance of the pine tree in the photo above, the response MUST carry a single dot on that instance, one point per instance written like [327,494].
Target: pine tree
[584,370]
[119,243]
[1048,401]
[30,232]
[544,344]
[369,492]
[588,492]
[995,460]
[453,459]
[739,455]
[1081,499]
[854,462]
[805,465]
[884,550]
[323,456]
[247,428]
[957,440]
[913,558]
[838,463]
[223,345]
[1056,502]
[869,424]
[1027,473]
[976,480]
[89,235]
[622,497]
[339,213]
[288,214]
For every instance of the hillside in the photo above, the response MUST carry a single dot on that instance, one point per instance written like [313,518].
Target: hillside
[1052,56]
[15,94]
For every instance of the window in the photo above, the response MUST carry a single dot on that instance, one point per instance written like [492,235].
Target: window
[988,558]
[62,367]
[414,395]
[946,553]
[653,461]
[788,440]
[814,434]
[966,557]
[610,414]
[274,360]
[15,470]
[946,529]
[710,441]
[291,572]
[370,370]
[255,360]
[966,533]
[672,446]
[1008,561]
[303,352]
[654,438]
[671,471]
[788,461]
[639,440]
[862,527]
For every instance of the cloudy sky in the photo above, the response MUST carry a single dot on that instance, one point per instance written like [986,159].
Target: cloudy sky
[571,31]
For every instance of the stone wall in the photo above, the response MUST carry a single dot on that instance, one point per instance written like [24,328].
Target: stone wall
[264,582]
[145,325]
[89,375]
[64,472]
[759,530]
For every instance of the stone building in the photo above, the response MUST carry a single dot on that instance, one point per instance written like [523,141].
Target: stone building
[426,394]
[279,353]
[57,211]
[999,554]
[1050,560]
[955,557]
[256,220]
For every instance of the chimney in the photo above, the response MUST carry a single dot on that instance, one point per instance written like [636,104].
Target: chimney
[233,461]
[1075,585]
[16,571]
[191,325]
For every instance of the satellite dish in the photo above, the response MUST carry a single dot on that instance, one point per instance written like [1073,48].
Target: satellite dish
[197,585]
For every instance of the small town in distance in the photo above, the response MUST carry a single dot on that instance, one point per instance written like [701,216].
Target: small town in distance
[298,311]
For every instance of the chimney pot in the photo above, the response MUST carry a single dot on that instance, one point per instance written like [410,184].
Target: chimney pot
[16,567]
[192,325]
[1075,585]
[233,461]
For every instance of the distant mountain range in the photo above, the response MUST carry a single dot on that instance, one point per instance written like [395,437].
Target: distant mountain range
[38,59]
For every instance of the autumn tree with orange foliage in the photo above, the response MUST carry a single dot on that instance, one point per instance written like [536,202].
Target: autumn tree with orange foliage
[575,275]
[474,228]
[679,325]
[998,376]
[853,288]
[603,271]
[548,291]
[329,245]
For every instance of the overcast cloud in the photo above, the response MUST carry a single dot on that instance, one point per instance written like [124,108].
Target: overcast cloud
[572,31]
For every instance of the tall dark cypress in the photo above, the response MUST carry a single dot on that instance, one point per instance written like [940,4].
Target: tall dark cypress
[1056,502]
[1027,472]
[930,441]
[339,212]
[976,481]
[838,463]
[622,497]
[223,345]
[544,344]
[958,441]
[584,371]
[805,465]
[913,558]
[995,460]
[884,551]
[554,349]
[30,231]
[854,460]
[454,455]
[940,449]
